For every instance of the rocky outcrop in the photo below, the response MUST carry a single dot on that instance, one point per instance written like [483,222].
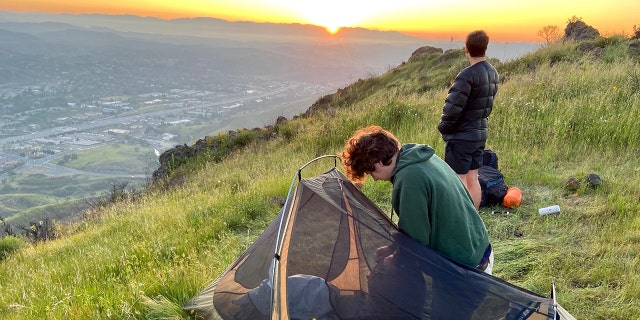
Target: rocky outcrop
[579,31]
[426,50]
[178,155]
[321,104]
[220,146]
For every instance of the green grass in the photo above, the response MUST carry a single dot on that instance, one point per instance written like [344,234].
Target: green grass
[560,113]
[29,197]
[52,186]
[115,158]
[9,244]
[11,204]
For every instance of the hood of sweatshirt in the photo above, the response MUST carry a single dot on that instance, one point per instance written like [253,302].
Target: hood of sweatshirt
[411,153]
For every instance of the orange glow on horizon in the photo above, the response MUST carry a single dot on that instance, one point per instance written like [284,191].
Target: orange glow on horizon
[435,19]
[333,30]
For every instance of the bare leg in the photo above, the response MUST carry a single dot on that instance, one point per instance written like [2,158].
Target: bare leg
[470,180]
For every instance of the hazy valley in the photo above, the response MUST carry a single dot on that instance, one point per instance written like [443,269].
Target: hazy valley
[89,101]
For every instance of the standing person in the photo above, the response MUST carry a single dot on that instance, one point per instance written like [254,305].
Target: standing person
[434,208]
[464,123]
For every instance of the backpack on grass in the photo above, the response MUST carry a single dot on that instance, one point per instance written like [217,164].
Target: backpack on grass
[490,158]
[491,180]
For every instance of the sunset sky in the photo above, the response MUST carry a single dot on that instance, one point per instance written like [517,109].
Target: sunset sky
[504,20]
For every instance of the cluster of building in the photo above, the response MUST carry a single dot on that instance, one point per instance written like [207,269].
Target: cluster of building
[144,119]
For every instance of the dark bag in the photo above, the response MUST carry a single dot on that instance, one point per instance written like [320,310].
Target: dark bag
[492,185]
[490,158]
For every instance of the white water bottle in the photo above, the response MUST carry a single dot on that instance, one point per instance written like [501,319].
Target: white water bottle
[549,210]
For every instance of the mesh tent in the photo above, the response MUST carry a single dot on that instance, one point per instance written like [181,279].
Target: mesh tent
[331,253]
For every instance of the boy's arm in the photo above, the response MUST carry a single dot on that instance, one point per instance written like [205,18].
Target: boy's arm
[454,103]
[413,210]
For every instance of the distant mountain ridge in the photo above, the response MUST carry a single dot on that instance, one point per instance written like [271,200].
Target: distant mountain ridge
[233,49]
[252,33]
[205,27]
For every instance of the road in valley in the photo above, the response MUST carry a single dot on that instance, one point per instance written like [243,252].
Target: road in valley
[169,113]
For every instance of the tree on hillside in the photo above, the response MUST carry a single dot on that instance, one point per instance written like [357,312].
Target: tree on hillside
[636,32]
[40,231]
[574,19]
[549,33]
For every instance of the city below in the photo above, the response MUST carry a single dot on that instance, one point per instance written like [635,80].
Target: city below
[157,121]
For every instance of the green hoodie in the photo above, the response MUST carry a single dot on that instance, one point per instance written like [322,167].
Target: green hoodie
[434,206]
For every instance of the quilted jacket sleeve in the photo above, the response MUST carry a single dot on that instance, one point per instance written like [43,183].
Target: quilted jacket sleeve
[454,103]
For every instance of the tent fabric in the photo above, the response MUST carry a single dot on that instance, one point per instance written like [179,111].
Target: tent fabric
[323,253]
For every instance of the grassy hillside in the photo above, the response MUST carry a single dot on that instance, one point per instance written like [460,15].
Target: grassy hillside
[563,111]
[116,158]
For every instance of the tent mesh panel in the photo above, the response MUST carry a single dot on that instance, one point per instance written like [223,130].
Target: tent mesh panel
[333,271]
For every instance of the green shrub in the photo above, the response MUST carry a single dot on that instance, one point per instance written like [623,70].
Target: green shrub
[8,245]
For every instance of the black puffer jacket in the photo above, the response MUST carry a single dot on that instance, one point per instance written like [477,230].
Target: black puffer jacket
[469,103]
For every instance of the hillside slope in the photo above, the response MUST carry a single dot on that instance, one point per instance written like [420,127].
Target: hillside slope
[563,111]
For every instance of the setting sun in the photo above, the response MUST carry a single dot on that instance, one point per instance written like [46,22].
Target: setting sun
[335,14]
[434,19]
[330,14]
